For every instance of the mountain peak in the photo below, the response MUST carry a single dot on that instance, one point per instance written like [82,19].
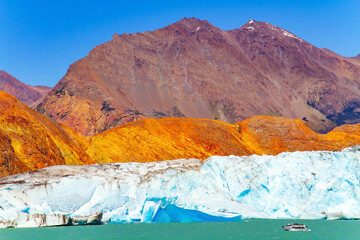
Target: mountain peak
[191,25]
[267,28]
[253,24]
[194,69]
[192,21]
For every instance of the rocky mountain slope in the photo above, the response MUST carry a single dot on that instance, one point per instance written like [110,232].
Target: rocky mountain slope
[29,140]
[194,69]
[151,140]
[357,57]
[25,93]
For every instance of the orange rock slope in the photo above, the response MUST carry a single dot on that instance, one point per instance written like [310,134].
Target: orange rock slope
[163,139]
[273,135]
[29,140]
[173,138]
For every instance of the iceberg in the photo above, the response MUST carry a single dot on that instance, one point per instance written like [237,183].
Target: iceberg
[305,185]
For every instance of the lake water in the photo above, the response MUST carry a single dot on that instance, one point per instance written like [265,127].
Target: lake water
[247,229]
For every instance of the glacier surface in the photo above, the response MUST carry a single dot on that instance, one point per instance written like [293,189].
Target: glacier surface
[311,185]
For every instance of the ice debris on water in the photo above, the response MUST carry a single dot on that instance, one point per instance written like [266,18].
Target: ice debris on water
[311,185]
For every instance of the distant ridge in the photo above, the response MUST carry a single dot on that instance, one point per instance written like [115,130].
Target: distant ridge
[357,57]
[25,93]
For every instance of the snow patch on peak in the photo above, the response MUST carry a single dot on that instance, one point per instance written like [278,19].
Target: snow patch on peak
[275,28]
[288,34]
[251,21]
[250,28]
[271,26]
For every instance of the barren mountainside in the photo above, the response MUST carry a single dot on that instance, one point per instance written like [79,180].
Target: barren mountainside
[193,69]
[29,140]
[25,93]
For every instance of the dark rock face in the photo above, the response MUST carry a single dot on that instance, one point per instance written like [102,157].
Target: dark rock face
[25,93]
[350,114]
[193,69]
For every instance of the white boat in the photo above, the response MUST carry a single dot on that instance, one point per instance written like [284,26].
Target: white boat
[296,227]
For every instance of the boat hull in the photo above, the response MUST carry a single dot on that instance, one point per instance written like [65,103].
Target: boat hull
[296,228]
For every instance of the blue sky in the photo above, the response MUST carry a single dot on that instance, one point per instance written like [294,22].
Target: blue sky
[40,39]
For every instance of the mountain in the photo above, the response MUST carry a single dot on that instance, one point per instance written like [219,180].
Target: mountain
[311,80]
[25,93]
[194,69]
[298,185]
[29,140]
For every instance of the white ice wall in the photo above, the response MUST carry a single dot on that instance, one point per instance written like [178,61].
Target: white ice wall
[289,185]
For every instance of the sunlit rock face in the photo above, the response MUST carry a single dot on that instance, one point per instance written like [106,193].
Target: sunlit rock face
[194,69]
[151,140]
[311,185]
[273,135]
[174,138]
[29,140]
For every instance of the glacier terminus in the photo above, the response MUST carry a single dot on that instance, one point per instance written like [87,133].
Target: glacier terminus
[296,185]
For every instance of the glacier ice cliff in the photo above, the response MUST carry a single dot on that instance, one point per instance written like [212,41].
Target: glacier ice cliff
[311,185]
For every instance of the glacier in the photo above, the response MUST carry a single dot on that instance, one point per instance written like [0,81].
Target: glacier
[305,185]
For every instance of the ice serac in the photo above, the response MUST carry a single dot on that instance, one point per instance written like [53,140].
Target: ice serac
[24,219]
[194,69]
[311,185]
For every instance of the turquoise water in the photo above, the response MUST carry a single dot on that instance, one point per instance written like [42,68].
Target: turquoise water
[251,229]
